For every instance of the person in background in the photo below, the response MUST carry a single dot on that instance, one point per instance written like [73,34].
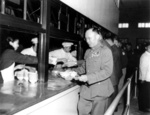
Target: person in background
[95,74]
[74,51]
[117,42]
[63,55]
[124,61]
[9,57]
[33,49]
[130,68]
[131,65]
[144,81]
[117,70]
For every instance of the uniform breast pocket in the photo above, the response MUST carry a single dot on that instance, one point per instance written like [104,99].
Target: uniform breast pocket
[97,61]
[93,63]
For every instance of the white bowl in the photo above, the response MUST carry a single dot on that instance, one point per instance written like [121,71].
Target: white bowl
[33,77]
[55,72]
[19,75]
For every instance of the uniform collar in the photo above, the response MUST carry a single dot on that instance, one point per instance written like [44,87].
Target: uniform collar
[99,45]
[147,52]
[114,46]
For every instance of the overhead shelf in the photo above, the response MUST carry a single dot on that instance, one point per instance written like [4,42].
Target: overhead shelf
[20,23]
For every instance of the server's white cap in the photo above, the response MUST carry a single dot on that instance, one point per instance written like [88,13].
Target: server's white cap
[67,44]
[34,40]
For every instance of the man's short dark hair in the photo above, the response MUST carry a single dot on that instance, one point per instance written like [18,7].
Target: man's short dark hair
[97,30]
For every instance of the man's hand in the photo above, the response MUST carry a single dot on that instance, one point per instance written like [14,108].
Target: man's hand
[83,78]
[69,78]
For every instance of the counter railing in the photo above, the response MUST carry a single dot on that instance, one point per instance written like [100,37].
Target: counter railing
[115,102]
[136,81]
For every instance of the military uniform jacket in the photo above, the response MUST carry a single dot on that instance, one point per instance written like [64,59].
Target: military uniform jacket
[98,67]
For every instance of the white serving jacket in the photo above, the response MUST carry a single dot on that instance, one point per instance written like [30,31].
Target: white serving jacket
[145,67]
[60,53]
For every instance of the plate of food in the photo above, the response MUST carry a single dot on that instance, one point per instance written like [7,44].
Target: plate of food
[70,64]
[68,74]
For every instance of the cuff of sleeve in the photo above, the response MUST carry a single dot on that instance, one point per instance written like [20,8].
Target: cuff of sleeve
[53,60]
[90,80]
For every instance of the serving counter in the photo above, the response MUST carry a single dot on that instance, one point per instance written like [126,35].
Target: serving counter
[56,97]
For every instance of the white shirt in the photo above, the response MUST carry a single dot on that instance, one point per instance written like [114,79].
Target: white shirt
[29,51]
[145,67]
[60,53]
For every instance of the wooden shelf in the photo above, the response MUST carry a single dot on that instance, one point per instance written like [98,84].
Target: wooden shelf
[56,33]
[15,22]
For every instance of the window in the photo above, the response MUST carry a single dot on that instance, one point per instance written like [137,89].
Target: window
[123,25]
[143,25]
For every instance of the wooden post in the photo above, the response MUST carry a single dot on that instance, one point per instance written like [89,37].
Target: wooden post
[25,10]
[3,6]
[135,87]
[44,41]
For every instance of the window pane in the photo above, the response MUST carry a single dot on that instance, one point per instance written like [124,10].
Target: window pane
[139,25]
[124,25]
[127,25]
[120,25]
[142,25]
[146,25]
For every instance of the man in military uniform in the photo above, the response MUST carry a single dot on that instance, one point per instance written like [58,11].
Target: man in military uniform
[95,73]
